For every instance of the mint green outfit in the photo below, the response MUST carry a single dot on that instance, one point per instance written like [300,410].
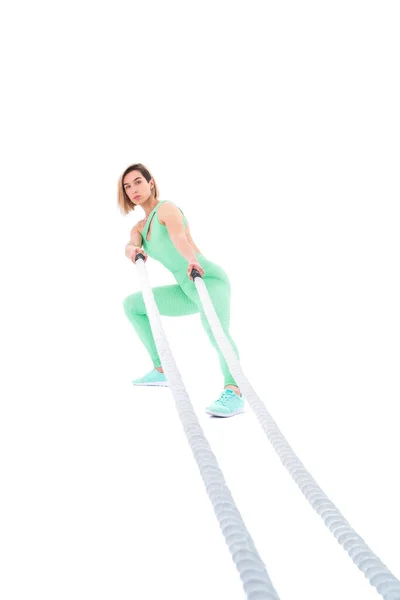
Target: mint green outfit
[181,298]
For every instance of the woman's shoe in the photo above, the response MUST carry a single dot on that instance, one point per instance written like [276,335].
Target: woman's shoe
[154,377]
[227,405]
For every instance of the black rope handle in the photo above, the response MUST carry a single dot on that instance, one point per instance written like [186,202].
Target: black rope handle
[194,273]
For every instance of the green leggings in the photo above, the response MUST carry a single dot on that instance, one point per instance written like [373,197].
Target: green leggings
[183,299]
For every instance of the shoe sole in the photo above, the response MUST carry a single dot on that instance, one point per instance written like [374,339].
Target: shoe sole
[232,414]
[159,383]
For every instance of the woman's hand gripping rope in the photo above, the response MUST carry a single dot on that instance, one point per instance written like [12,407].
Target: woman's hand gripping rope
[131,251]
[194,264]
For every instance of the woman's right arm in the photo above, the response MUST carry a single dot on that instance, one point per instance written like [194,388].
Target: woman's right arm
[135,243]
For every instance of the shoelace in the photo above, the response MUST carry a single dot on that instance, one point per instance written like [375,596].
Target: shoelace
[225,396]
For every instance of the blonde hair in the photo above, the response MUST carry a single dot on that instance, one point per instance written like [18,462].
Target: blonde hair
[124,203]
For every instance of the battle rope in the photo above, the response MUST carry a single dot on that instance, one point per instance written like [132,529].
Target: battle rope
[258,586]
[254,576]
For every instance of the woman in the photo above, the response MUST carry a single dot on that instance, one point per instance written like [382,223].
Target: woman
[165,236]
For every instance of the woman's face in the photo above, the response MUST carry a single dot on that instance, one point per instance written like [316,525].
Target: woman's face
[136,187]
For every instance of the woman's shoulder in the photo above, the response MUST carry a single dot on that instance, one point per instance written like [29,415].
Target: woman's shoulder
[163,202]
[139,225]
[167,204]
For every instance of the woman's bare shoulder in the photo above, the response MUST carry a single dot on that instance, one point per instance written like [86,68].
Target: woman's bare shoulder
[139,226]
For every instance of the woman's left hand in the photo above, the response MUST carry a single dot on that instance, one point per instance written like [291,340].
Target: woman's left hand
[194,264]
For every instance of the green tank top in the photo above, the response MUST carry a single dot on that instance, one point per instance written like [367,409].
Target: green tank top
[160,245]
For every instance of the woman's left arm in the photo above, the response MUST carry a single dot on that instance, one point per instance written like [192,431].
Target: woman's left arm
[173,219]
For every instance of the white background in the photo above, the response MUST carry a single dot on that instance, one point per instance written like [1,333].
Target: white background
[275,127]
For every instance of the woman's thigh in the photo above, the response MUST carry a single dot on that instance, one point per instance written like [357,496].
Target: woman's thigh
[171,301]
[219,290]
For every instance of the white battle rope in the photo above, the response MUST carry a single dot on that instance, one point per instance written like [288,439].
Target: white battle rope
[373,568]
[254,576]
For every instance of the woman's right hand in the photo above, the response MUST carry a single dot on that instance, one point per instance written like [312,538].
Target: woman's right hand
[132,251]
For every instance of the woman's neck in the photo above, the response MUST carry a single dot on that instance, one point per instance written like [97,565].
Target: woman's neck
[149,206]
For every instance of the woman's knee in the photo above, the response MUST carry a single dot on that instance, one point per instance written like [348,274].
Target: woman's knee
[133,303]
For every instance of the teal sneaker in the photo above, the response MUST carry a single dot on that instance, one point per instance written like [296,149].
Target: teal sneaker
[227,405]
[154,377]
